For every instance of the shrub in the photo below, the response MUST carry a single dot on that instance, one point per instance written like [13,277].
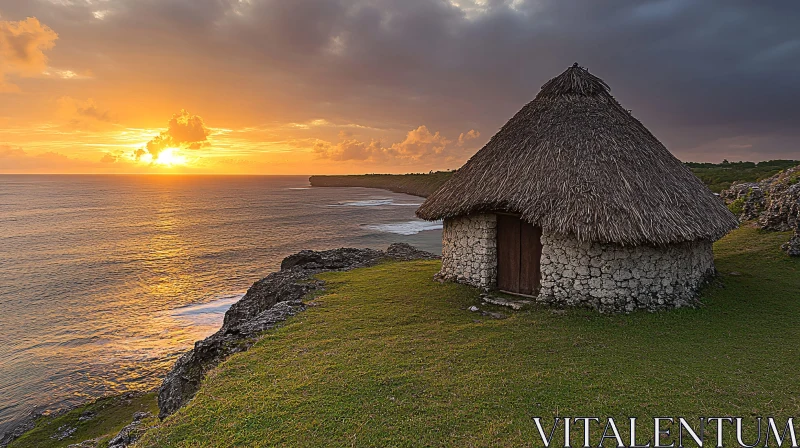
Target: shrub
[737,207]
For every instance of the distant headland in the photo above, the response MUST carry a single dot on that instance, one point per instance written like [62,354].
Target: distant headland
[717,176]
[417,184]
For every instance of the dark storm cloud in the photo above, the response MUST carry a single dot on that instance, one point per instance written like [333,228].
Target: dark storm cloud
[695,72]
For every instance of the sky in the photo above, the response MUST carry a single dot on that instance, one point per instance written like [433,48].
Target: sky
[363,86]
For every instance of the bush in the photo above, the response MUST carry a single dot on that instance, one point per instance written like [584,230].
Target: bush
[737,207]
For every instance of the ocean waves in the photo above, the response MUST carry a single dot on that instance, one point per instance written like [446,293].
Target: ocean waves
[406,228]
[376,203]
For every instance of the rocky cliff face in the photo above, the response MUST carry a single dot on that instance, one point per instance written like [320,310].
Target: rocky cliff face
[267,303]
[774,203]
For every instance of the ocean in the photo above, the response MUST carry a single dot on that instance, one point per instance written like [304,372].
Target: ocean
[106,280]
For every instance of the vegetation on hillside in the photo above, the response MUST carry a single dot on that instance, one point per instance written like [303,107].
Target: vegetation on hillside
[417,184]
[717,176]
[99,421]
[391,358]
[720,176]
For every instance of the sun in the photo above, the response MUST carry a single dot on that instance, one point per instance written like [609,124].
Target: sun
[170,157]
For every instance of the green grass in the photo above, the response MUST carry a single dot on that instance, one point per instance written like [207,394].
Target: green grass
[110,416]
[392,358]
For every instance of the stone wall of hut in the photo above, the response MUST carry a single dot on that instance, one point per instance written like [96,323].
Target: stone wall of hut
[615,278]
[469,250]
[606,277]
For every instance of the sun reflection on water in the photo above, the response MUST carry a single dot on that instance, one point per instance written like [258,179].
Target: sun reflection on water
[107,281]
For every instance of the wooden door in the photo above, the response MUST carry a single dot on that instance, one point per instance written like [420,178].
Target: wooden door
[519,251]
[508,259]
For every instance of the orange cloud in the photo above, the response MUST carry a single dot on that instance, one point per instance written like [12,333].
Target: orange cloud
[17,160]
[465,137]
[84,115]
[109,158]
[420,144]
[349,148]
[22,47]
[184,131]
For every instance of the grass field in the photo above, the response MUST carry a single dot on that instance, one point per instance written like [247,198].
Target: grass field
[392,358]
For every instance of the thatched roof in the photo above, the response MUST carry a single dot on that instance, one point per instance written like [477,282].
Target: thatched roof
[575,162]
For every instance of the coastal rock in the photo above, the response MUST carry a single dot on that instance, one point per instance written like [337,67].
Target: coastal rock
[407,252]
[86,416]
[131,433]
[64,432]
[28,423]
[267,303]
[330,259]
[91,443]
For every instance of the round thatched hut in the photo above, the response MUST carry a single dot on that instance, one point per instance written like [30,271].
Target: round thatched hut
[575,202]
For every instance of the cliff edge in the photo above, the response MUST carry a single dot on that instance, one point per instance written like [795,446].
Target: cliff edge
[267,303]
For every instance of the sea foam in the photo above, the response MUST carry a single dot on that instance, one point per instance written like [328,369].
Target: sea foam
[407,228]
[374,203]
[206,314]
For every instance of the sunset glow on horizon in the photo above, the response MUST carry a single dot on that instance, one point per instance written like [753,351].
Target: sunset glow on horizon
[242,87]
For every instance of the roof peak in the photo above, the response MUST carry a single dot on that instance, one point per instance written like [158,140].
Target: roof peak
[575,80]
[575,162]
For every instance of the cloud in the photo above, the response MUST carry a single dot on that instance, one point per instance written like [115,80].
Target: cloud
[463,138]
[77,110]
[184,131]
[16,160]
[109,158]
[67,74]
[694,72]
[91,111]
[349,149]
[419,145]
[22,47]
[187,129]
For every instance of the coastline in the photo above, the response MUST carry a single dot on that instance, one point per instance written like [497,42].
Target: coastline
[422,185]
[304,258]
[732,290]
[266,305]
[167,249]
[97,420]
[716,177]
[428,363]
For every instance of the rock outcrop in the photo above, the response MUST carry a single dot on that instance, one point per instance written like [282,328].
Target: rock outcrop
[128,435]
[745,199]
[792,247]
[27,424]
[267,303]
[773,203]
